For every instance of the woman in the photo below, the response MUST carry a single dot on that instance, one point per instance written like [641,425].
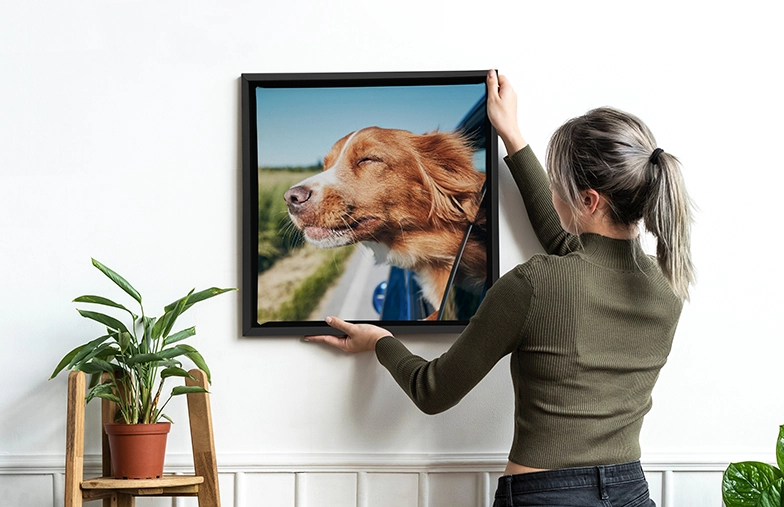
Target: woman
[588,325]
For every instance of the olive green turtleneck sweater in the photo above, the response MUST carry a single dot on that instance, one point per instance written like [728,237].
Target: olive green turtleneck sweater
[589,326]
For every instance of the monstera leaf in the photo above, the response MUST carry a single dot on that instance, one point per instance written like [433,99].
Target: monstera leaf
[753,483]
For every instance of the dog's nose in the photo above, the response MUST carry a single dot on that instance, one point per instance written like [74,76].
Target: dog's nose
[296,196]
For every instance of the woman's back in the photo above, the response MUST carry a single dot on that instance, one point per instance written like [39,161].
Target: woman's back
[598,329]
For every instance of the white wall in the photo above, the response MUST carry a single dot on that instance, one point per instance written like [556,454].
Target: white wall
[119,140]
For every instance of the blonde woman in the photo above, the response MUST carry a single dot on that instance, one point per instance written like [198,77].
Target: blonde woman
[588,325]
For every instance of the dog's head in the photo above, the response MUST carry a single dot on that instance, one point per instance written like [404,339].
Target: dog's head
[378,184]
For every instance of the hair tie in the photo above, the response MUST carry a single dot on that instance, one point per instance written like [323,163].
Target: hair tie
[655,156]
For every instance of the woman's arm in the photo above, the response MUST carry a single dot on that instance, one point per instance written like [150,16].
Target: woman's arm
[494,331]
[530,177]
[534,187]
[497,329]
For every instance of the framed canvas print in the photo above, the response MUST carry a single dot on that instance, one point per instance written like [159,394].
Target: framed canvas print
[368,196]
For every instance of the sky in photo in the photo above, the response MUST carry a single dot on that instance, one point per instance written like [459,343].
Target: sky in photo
[298,126]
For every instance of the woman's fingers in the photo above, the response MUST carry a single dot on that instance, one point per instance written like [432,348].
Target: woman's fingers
[336,341]
[359,337]
[340,324]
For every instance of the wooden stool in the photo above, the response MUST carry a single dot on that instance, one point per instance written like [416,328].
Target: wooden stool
[122,492]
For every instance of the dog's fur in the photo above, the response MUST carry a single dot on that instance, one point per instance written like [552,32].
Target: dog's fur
[407,196]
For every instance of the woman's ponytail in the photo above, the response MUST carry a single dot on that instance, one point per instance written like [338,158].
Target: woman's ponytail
[667,215]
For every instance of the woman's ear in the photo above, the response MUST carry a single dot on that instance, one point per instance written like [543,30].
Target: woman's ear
[591,200]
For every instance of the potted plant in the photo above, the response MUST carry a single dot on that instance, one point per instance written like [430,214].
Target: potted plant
[129,365]
[753,483]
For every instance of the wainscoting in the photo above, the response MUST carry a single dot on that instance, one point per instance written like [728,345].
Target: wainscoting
[368,480]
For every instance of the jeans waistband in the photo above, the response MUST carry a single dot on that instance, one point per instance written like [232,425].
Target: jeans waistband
[561,478]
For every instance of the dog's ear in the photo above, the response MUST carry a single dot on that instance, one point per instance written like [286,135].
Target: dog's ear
[448,173]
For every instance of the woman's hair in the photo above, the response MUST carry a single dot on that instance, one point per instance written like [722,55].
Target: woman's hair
[610,152]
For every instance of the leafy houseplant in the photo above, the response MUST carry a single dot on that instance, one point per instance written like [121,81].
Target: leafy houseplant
[753,483]
[138,358]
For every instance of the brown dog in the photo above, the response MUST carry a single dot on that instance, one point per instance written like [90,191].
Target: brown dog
[407,196]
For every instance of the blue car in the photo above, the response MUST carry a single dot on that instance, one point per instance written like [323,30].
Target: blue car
[400,297]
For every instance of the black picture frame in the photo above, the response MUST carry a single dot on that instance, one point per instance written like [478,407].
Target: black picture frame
[281,114]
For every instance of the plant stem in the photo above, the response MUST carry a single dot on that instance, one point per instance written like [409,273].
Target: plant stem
[153,411]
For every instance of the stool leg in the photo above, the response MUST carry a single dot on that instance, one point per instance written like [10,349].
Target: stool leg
[124,500]
[202,440]
[74,440]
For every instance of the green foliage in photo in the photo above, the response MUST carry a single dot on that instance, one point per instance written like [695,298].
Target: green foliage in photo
[277,235]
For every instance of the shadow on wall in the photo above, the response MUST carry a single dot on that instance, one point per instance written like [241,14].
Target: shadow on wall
[44,403]
[512,213]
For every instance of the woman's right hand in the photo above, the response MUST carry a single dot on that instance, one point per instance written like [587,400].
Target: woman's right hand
[502,111]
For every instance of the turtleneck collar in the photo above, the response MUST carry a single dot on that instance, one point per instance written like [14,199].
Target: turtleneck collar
[625,254]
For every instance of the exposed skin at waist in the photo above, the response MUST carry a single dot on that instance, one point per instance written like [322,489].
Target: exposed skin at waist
[513,468]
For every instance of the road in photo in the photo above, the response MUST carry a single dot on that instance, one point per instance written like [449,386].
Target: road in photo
[352,296]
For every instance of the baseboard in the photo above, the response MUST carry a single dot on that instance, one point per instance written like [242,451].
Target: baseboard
[402,462]
[675,479]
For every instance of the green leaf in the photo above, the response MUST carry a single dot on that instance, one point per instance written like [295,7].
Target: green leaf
[87,349]
[103,352]
[175,372]
[124,340]
[157,329]
[77,354]
[198,296]
[179,335]
[161,356]
[110,397]
[102,365]
[106,320]
[119,280]
[91,369]
[164,323]
[94,380]
[143,358]
[174,313]
[187,390]
[150,329]
[771,497]
[194,356]
[780,448]
[100,300]
[170,363]
[744,483]
[105,388]
[65,361]
[175,351]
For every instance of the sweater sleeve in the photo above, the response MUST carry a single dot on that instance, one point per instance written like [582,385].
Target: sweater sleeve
[534,187]
[493,332]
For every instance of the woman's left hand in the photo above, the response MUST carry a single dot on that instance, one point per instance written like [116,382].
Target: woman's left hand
[359,337]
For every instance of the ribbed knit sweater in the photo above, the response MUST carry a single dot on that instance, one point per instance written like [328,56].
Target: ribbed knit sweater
[588,325]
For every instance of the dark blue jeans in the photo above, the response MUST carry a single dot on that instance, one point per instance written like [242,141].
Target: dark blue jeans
[621,485]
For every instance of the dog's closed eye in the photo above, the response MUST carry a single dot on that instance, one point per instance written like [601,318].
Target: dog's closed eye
[368,160]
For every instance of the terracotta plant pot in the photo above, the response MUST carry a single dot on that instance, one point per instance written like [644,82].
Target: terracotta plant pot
[137,449]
